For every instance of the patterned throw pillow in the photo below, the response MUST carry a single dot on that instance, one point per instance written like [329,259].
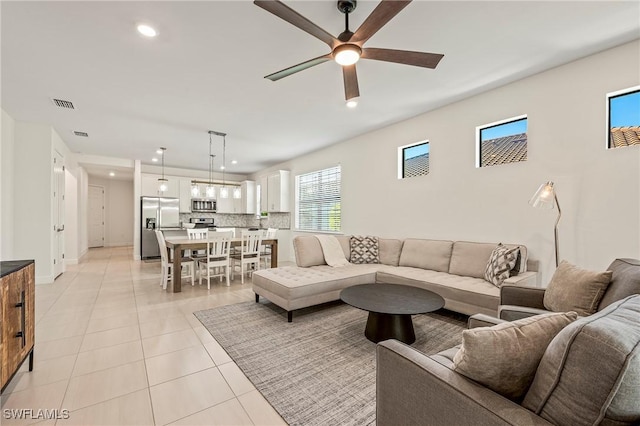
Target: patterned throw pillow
[364,249]
[501,262]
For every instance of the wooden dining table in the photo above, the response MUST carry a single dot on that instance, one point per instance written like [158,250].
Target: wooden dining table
[179,244]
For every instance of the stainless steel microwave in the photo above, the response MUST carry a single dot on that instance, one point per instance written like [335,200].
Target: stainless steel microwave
[205,205]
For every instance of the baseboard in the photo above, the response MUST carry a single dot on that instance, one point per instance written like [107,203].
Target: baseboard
[137,257]
[71,261]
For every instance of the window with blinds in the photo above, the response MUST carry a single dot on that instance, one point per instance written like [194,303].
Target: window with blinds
[318,200]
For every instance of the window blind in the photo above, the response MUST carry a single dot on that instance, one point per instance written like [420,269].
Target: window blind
[318,200]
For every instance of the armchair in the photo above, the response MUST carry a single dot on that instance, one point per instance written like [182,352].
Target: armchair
[589,374]
[520,301]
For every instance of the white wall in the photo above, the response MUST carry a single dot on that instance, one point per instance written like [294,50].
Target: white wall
[83,212]
[71,238]
[6,186]
[118,199]
[598,189]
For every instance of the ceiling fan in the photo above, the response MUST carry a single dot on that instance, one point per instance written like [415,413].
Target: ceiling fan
[347,48]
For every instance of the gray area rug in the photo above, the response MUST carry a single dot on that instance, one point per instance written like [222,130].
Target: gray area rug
[320,369]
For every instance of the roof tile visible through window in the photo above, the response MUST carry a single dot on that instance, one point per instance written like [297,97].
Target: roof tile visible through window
[416,166]
[508,149]
[625,136]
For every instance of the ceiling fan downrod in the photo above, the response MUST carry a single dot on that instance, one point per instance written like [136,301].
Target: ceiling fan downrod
[346,7]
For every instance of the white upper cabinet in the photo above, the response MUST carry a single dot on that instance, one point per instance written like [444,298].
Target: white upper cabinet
[229,204]
[264,199]
[277,191]
[248,188]
[149,186]
[185,195]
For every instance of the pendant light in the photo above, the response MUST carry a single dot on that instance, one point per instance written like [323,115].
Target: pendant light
[211,190]
[224,191]
[163,184]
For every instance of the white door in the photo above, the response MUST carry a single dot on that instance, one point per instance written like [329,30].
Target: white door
[96,216]
[58,214]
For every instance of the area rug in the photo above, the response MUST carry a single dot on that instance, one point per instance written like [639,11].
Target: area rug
[320,369]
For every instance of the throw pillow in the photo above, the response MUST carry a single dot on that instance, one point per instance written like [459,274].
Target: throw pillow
[364,249]
[501,262]
[575,289]
[505,357]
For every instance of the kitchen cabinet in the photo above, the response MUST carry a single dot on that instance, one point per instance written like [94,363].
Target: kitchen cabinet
[17,310]
[264,200]
[248,188]
[229,204]
[185,195]
[149,186]
[278,191]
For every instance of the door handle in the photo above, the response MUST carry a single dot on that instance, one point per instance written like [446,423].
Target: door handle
[60,229]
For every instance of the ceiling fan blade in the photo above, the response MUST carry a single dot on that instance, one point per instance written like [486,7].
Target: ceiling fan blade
[418,59]
[382,14]
[284,12]
[297,68]
[350,82]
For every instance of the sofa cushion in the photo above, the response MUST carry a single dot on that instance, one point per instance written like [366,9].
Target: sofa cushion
[625,281]
[364,249]
[574,289]
[505,357]
[390,251]
[567,389]
[426,254]
[470,259]
[345,242]
[500,264]
[462,291]
[308,251]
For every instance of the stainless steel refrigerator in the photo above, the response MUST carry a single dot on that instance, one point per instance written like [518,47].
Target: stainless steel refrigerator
[156,213]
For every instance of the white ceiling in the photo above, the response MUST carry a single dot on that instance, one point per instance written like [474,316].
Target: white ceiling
[205,70]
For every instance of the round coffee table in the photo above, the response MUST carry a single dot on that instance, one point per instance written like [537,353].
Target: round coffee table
[390,307]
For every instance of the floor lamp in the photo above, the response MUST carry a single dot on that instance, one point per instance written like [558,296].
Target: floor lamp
[545,198]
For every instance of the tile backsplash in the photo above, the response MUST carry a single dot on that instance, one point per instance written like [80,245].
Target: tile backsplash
[274,220]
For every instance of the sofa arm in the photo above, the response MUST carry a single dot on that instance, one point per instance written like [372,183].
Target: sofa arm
[482,320]
[523,279]
[518,295]
[513,313]
[413,389]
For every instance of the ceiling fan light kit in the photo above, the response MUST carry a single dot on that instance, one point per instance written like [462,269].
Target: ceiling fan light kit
[347,54]
[348,48]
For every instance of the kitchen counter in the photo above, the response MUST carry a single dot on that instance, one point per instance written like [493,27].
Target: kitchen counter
[9,266]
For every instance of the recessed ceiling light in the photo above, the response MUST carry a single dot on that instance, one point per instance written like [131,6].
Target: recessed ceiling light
[112,174]
[234,161]
[155,160]
[147,30]
[159,152]
[222,167]
[352,103]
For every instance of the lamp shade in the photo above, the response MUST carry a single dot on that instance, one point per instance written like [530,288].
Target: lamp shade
[544,198]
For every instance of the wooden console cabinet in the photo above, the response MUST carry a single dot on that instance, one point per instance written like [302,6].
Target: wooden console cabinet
[17,317]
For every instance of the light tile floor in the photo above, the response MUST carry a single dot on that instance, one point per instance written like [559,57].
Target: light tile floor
[113,348]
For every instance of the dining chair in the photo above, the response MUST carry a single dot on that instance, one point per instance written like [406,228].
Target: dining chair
[232,230]
[248,255]
[187,263]
[217,257]
[265,254]
[197,234]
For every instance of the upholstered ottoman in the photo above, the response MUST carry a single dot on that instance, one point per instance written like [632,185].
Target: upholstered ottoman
[294,288]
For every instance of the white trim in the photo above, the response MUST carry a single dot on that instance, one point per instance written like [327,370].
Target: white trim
[495,123]
[68,262]
[401,149]
[120,244]
[606,116]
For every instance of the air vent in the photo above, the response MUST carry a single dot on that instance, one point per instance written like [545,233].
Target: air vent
[63,104]
[83,134]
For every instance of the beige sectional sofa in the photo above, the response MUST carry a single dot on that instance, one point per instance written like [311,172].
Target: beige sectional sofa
[452,269]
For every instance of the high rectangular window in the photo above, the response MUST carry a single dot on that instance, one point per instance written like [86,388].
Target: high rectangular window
[623,118]
[413,160]
[502,142]
[318,200]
